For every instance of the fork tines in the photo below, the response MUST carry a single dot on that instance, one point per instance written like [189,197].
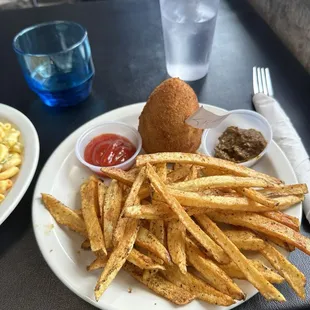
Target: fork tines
[262,81]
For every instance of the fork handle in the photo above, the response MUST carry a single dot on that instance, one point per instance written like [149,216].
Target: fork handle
[286,136]
[284,133]
[270,109]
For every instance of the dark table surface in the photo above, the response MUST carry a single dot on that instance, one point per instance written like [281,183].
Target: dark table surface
[128,53]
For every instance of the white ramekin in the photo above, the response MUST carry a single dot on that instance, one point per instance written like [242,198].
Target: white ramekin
[244,119]
[118,128]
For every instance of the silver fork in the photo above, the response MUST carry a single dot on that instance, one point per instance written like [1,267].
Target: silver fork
[262,81]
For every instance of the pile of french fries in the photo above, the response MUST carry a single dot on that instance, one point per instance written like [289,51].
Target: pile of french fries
[162,220]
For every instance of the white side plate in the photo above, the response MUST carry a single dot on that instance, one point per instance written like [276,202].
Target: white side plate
[30,140]
[62,177]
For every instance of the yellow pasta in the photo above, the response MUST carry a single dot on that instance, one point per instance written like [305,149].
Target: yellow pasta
[10,156]
[14,160]
[5,185]
[17,148]
[2,125]
[2,133]
[11,138]
[9,173]
[4,152]
[7,126]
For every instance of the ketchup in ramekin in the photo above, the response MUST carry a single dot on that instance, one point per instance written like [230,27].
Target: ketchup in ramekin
[108,150]
[108,144]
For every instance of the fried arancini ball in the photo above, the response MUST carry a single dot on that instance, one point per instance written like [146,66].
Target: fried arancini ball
[162,122]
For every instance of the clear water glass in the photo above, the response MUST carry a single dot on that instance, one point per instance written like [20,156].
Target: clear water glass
[188,29]
[56,61]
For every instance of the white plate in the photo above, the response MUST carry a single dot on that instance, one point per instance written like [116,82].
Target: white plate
[62,176]
[30,140]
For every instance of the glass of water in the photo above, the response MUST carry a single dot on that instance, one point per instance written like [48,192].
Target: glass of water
[56,61]
[188,28]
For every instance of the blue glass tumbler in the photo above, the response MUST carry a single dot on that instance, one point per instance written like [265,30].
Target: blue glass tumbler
[56,61]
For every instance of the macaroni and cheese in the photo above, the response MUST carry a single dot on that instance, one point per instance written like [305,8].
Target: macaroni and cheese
[10,156]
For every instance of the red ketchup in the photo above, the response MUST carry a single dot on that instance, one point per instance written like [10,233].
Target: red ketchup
[108,150]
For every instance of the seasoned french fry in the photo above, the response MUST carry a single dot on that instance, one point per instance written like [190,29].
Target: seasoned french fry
[245,240]
[162,173]
[130,201]
[194,172]
[248,241]
[148,241]
[98,263]
[176,233]
[233,271]
[111,211]
[119,230]
[287,201]
[102,188]
[218,182]
[291,274]
[162,287]
[142,261]
[95,181]
[212,171]
[178,174]
[64,215]
[246,267]
[161,170]
[134,171]
[258,197]
[157,228]
[198,287]
[85,244]
[215,276]
[135,257]
[93,178]
[283,218]
[217,202]
[158,211]
[118,257]
[265,225]
[88,199]
[285,190]
[79,213]
[205,161]
[119,175]
[149,211]
[177,166]
[282,244]
[136,186]
[144,192]
[190,225]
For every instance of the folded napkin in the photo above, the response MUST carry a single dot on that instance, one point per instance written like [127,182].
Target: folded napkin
[286,136]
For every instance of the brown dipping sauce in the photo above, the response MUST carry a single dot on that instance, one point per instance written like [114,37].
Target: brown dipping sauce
[240,145]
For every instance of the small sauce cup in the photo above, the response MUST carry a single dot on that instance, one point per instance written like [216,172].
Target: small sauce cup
[117,128]
[244,119]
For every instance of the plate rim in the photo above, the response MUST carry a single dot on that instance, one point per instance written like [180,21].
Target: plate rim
[25,121]
[80,129]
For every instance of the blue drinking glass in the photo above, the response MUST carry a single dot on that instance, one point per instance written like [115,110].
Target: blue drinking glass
[56,61]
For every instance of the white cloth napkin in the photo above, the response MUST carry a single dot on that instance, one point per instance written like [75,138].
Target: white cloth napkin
[286,136]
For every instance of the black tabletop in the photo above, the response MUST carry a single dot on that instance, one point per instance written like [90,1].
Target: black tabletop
[127,47]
